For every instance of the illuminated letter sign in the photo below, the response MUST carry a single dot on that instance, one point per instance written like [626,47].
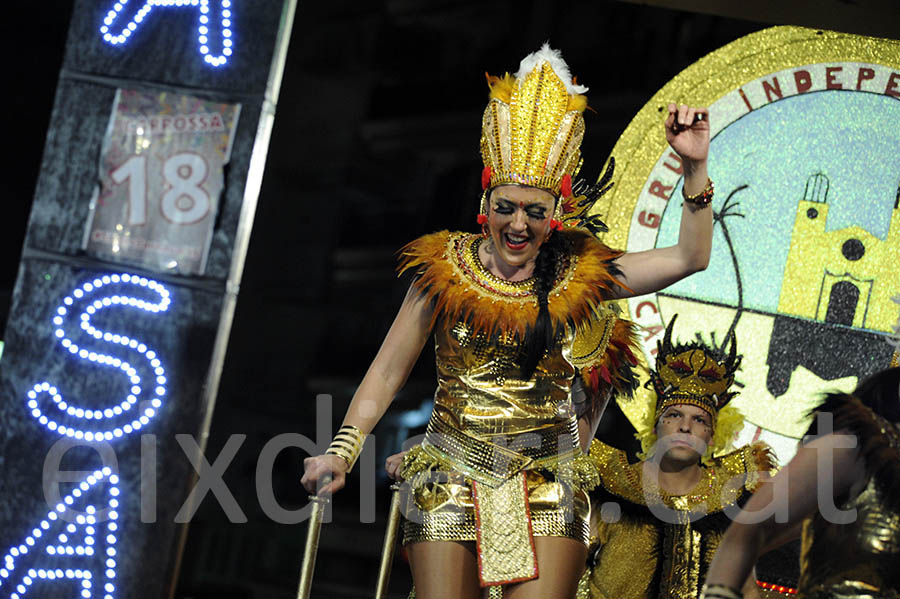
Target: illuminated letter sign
[135,177]
[205,26]
[125,417]
[75,543]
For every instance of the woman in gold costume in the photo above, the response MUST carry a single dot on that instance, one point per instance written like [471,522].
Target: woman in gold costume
[843,487]
[499,485]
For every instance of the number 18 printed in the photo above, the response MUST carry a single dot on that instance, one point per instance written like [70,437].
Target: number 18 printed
[161,175]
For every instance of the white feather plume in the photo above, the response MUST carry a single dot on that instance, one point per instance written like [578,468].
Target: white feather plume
[559,66]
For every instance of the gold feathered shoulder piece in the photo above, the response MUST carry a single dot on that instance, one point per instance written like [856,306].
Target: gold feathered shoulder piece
[714,492]
[447,270]
[751,461]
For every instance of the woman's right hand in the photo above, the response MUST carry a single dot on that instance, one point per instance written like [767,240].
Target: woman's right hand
[317,467]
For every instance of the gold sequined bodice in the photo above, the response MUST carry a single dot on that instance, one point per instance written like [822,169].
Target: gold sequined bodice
[860,559]
[481,389]
[480,385]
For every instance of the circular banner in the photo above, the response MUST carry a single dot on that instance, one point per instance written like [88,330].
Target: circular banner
[805,154]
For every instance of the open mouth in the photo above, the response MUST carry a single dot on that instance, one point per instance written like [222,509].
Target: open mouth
[515,242]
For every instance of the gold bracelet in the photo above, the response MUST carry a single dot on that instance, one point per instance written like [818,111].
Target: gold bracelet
[347,445]
[719,591]
[704,198]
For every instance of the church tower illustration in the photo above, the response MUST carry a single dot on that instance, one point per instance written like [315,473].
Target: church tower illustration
[844,277]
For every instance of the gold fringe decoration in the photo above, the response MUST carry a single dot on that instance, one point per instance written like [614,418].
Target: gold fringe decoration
[418,464]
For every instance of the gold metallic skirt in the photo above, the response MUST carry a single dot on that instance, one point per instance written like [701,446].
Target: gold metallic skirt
[440,504]
[445,511]
[500,492]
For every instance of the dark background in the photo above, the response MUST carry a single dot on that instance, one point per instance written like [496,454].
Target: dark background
[375,143]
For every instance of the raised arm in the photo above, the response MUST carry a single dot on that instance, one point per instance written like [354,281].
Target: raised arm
[652,270]
[386,375]
[797,488]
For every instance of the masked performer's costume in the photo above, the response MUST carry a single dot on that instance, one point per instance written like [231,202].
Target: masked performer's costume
[654,545]
[859,559]
[500,462]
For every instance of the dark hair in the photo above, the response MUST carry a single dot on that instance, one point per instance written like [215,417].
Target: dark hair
[542,335]
[881,393]
[878,392]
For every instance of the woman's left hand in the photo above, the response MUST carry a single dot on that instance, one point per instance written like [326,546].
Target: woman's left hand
[392,465]
[687,136]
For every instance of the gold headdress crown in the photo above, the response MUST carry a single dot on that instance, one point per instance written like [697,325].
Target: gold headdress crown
[694,373]
[533,125]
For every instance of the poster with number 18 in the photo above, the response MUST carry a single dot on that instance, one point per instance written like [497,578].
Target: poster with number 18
[161,175]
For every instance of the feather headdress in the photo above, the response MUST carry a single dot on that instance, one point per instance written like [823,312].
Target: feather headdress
[532,127]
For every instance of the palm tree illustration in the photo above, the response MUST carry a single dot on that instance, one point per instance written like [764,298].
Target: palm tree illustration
[730,209]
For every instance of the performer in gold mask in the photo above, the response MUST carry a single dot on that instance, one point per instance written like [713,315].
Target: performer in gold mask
[518,313]
[663,516]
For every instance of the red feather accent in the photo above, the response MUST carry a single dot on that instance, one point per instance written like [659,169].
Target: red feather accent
[604,372]
[631,357]
[594,379]
[566,186]
[612,358]
[482,219]
[555,225]
[624,347]
[486,177]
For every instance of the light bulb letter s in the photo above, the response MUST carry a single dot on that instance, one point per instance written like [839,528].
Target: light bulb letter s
[77,334]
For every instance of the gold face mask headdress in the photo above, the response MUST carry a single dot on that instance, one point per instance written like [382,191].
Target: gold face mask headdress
[532,129]
[694,373]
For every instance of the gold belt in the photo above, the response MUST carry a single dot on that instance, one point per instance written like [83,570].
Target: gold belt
[499,491]
[496,461]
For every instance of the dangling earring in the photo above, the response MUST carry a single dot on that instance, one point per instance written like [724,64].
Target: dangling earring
[556,221]
[565,189]
[482,214]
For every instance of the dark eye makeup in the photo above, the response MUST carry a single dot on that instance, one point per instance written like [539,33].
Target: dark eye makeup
[504,206]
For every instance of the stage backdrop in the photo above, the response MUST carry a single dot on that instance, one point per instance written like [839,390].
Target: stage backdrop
[127,285]
[805,155]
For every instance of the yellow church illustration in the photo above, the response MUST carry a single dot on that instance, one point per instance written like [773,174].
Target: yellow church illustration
[844,277]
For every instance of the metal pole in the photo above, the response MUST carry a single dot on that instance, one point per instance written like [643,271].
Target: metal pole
[390,542]
[308,566]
